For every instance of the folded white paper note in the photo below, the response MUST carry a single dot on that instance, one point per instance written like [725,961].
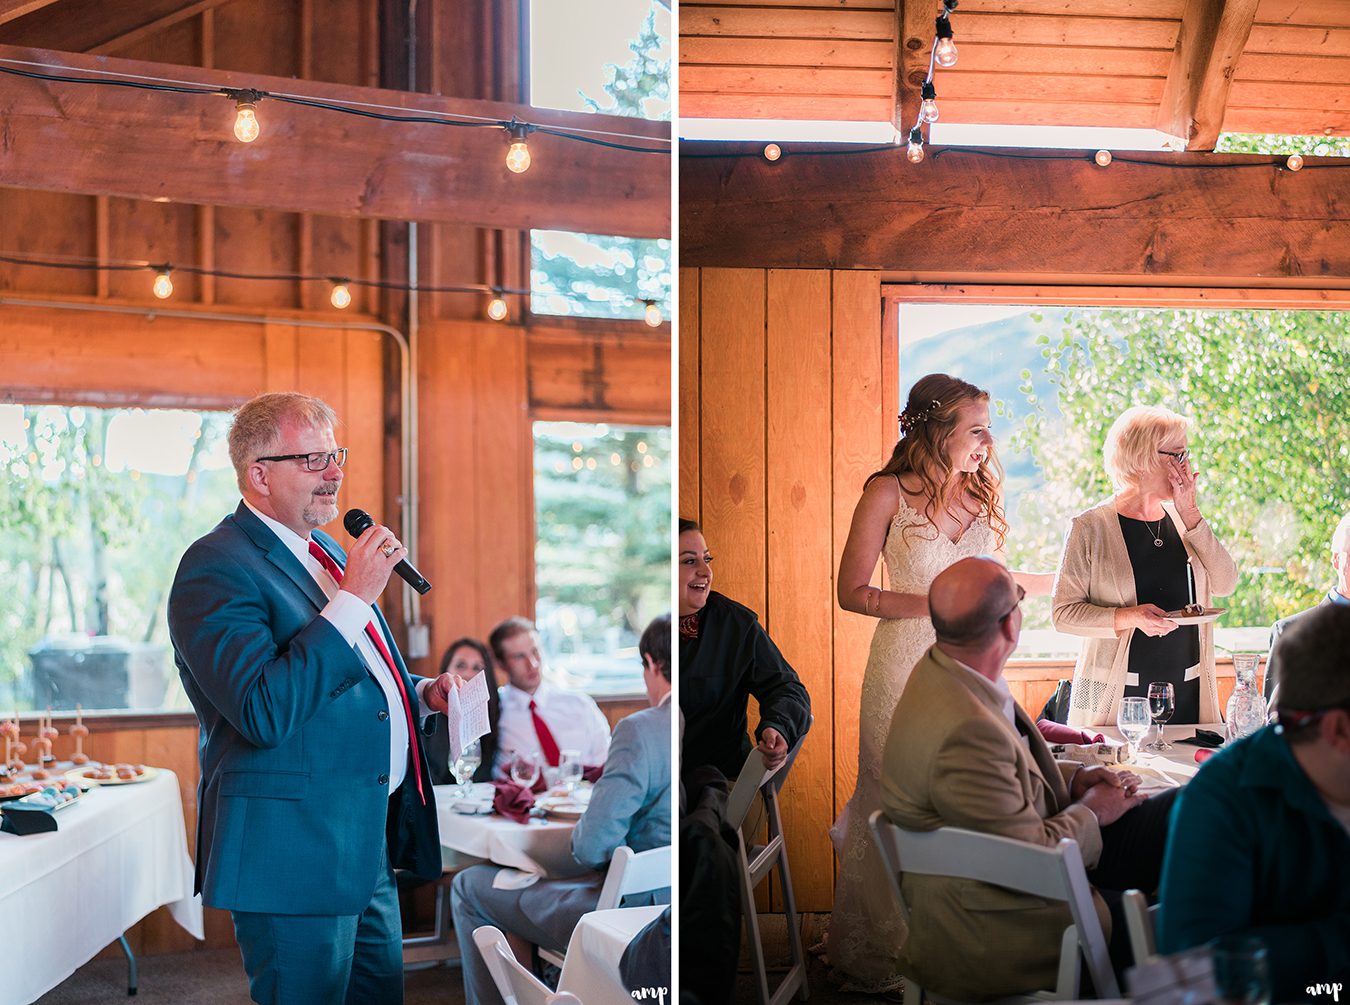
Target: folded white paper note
[466,714]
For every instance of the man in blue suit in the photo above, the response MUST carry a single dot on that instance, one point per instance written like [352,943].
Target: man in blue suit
[313,785]
[630,805]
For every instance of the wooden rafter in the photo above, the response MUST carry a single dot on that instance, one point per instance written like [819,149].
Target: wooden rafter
[139,144]
[964,216]
[914,41]
[1212,38]
[12,10]
[134,28]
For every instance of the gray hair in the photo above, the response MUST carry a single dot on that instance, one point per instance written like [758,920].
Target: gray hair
[257,425]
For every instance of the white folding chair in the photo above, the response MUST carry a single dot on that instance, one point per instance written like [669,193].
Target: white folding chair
[1141,921]
[630,872]
[758,862]
[517,985]
[1054,873]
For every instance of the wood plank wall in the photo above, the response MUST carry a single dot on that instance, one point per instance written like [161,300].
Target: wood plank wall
[782,405]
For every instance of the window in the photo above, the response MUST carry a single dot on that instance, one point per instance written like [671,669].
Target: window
[1266,390]
[98,506]
[602,552]
[610,56]
[586,275]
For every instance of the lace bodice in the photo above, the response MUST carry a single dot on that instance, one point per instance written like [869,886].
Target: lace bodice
[916,551]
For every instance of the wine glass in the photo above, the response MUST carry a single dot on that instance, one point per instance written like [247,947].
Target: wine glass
[571,769]
[1241,970]
[465,765]
[1162,702]
[1133,720]
[524,769]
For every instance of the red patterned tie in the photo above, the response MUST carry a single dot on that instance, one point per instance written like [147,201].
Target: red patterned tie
[547,744]
[335,571]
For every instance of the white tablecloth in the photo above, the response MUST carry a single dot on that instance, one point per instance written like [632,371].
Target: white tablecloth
[591,968]
[538,846]
[1177,763]
[119,854]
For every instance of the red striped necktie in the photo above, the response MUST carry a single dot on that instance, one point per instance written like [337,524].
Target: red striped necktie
[547,745]
[335,571]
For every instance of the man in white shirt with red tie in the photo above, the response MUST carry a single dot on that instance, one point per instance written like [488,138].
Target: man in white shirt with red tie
[537,717]
[313,784]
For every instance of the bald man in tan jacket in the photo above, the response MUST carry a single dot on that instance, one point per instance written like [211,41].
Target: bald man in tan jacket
[962,753]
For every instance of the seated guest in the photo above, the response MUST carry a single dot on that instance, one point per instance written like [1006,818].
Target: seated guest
[962,753]
[1339,594]
[1260,840]
[537,717]
[630,805]
[466,658]
[725,657]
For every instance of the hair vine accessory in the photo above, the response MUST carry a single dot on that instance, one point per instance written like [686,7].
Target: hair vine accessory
[910,418]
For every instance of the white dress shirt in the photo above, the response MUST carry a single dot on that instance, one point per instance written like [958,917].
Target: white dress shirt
[350,614]
[573,718]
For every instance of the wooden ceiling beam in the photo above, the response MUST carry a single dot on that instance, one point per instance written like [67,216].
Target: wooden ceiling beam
[12,10]
[1212,38]
[139,144]
[964,215]
[134,28]
[913,43]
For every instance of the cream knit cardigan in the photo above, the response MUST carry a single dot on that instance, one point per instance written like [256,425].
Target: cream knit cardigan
[1095,577]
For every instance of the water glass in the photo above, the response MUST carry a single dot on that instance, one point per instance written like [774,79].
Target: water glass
[1241,970]
[524,769]
[1162,702]
[465,765]
[571,769]
[1134,722]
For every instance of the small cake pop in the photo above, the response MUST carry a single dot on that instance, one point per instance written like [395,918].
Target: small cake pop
[79,730]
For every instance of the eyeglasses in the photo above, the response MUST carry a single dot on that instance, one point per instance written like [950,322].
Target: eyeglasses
[1177,455]
[1021,595]
[317,461]
[1297,719]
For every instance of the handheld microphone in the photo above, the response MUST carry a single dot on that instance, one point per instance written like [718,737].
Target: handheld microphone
[357,522]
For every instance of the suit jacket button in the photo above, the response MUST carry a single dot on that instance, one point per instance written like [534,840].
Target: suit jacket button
[382,715]
[384,779]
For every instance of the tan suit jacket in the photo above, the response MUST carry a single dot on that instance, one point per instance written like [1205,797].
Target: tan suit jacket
[954,760]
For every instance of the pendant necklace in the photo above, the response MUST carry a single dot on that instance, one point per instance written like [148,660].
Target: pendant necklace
[1157,534]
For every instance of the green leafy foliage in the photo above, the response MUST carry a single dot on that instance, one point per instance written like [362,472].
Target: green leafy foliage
[641,86]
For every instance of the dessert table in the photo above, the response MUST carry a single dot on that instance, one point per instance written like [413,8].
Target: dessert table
[591,968]
[119,853]
[539,846]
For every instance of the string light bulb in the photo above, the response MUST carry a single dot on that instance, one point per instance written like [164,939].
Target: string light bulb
[915,149]
[652,314]
[497,308]
[1295,162]
[772,151]
[944,54]
[518,153]
[163,285]
[1103,158]
[246,128]
[341,297]
[928,109]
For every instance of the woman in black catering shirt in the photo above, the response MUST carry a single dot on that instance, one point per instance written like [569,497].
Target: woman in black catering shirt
[725,656]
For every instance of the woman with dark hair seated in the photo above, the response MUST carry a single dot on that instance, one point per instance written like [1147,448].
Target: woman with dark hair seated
[725,657]
[466,658]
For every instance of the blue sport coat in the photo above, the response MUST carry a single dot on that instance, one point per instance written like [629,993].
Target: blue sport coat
[293,801]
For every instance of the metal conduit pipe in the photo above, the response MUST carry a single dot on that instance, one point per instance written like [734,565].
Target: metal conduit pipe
[407,396]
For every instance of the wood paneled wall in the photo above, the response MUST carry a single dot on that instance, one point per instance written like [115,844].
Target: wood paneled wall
[783,413]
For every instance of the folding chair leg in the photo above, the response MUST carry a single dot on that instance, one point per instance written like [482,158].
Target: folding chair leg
[795,981]
[752,931]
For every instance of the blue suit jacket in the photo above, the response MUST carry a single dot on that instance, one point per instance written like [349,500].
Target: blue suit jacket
[293,801]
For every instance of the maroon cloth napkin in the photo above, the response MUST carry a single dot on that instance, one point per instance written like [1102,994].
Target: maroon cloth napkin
[512,801]
[1057,732]
[592,772]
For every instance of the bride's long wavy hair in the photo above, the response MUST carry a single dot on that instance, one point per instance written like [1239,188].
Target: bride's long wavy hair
[928,421]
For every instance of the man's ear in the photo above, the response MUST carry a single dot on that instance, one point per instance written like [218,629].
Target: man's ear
[257,477]
[1335,729]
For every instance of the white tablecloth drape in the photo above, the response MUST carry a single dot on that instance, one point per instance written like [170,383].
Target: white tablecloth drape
[539,846]
[119,854]
[591,968]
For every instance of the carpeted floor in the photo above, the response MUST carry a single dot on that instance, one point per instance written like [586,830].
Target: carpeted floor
[212,977]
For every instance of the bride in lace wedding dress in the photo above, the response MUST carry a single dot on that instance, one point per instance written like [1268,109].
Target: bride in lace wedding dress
[936,501]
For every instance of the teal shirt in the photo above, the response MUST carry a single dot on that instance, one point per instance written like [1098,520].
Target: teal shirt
[1254,849]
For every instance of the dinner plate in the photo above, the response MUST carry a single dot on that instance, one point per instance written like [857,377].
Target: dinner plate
[561,808]
[81,774]
[1211,614]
